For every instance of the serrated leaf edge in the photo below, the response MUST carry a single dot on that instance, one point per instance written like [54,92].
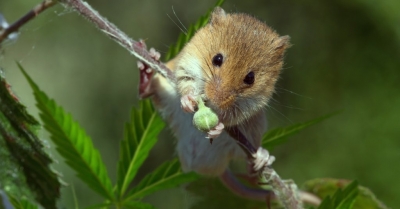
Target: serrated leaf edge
[142,192]
[45,104]
[130,174]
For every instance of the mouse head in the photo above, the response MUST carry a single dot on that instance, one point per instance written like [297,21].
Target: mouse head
[241,58]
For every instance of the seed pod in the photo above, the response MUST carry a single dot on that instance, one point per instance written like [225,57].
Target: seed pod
[204,119]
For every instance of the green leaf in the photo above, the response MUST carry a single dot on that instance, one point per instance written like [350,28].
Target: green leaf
[210,193]
[72,142]
[138,205]
[279,135]
[24,165]
[342,199]
[22,203]
[139,138]
[167,175]
[4,201]
[184,38]
[101,205]
[327,188]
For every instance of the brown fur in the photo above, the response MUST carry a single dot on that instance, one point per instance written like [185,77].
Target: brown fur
[247,45]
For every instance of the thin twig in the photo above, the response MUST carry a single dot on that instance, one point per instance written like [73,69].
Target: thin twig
[134,47]
[287,194]
[26,18]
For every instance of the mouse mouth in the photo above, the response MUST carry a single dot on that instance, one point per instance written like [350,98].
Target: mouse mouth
[229,113]
[221,99]
[226,103]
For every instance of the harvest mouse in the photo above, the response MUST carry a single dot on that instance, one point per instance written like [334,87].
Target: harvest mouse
[232,63]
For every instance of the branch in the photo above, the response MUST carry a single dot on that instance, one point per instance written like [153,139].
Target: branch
[134,47]
[26,18]
[287,195]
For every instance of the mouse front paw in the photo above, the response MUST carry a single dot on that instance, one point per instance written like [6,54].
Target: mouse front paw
[262,158]
[216,131]
[154,54]
[189,103]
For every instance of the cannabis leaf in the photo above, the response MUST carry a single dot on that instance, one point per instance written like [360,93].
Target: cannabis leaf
[342,199]
[139,137]
[138,205]
[325,187]
[167,175]
[22,203]
[279,135]
[72,142]
[24,165]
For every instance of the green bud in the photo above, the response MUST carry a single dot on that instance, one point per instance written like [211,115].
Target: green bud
[204,119]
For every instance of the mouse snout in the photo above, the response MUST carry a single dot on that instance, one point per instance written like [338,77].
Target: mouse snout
[219,97]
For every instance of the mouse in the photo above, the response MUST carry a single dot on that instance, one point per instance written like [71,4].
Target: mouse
[232,64]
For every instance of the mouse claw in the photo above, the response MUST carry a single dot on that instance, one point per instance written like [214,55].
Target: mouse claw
[262,158]
[140,65]
[146,73]
[216,131]
[154,54]
[188,103]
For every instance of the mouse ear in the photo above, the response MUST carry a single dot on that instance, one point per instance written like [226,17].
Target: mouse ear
[217,15]
[279,47]
[283,42]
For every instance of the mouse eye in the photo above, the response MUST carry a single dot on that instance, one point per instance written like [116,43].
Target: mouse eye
[249,79]
[217,60]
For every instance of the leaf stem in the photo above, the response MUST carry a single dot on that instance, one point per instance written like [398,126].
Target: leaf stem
[132,169]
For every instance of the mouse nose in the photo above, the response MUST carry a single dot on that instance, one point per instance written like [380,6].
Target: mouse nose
[220,98]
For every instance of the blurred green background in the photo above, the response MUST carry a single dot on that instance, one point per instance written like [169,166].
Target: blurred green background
[345,56]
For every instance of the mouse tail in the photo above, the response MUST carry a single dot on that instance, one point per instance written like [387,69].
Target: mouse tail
[232,183]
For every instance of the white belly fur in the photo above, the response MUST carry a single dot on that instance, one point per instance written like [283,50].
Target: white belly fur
[194,149]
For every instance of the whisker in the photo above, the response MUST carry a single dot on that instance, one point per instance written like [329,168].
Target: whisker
[179,19]
[177,24]
[272,100]
[272,108]
[292,92]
